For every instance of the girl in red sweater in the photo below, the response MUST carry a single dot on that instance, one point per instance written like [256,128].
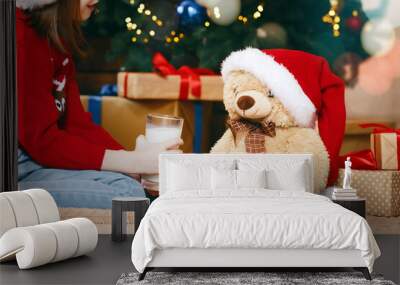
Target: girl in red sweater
[61,149]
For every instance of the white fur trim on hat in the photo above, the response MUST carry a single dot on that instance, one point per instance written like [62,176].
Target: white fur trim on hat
[32,4]
[277,77]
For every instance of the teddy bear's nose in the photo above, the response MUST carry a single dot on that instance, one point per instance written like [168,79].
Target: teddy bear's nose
[245,102]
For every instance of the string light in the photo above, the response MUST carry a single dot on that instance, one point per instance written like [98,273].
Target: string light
[242,19]
[256,14]
[333,18]
[174,37]
[142,9]
[217,13]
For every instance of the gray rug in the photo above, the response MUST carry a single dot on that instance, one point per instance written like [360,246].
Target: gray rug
[243,278]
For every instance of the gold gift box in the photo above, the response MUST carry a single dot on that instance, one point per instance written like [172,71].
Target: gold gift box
[357,138]
[384,146]
[139,85]
[125,119]
[380,188]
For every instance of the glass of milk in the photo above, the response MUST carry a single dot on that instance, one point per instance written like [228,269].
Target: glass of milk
[160,128]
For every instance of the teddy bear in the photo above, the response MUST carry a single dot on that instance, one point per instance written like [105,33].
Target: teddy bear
[268,110]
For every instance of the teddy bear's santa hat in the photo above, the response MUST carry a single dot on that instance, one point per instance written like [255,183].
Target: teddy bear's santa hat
[32,4]
[306,87]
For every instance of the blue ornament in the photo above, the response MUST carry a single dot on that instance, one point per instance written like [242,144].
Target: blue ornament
[190,14]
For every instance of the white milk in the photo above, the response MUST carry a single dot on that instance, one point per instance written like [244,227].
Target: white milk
[157,134]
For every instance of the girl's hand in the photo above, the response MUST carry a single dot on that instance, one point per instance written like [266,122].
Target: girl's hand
[142,144]
[151,151]
[143,160]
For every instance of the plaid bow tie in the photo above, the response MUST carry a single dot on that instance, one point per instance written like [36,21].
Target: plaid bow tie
[256,132]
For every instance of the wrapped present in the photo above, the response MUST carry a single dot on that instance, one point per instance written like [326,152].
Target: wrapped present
[357,138]
[384,151]
[167,82]
[380,188]
[126,119]
[385,144]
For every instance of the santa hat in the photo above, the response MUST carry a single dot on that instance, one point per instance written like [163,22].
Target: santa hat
[32,4]
[306,87]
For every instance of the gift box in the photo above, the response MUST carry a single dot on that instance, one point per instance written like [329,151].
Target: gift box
[380,188]
[357,138]
[386,148]
[167,82]
[125,119]
[137,85]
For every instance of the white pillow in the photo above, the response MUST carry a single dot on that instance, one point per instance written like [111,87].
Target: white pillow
[293,180]
[182,177]
[223,179]
[251,178]
[282,174]
[226,179]
[187,174]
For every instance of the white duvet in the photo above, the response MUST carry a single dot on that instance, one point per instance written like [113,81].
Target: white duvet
[250,219]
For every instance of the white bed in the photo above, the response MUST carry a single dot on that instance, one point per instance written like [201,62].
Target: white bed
[201,226]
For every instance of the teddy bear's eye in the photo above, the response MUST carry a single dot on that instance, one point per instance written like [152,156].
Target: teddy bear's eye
[270,94]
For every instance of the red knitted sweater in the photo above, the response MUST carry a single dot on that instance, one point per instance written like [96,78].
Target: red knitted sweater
[53,127]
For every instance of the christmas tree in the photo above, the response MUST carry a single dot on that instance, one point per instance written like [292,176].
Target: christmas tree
[202,33]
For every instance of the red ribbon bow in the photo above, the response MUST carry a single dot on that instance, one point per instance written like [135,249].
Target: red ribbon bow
[363,160]
[190,77]
[380,128]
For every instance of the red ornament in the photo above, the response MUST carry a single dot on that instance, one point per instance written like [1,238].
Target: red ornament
[354,23]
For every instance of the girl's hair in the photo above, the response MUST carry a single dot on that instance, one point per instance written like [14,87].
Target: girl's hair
[60,23]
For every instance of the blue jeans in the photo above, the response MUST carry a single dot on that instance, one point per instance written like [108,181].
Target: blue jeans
[76,188]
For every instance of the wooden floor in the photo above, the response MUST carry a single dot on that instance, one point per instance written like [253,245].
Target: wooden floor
[110,260]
